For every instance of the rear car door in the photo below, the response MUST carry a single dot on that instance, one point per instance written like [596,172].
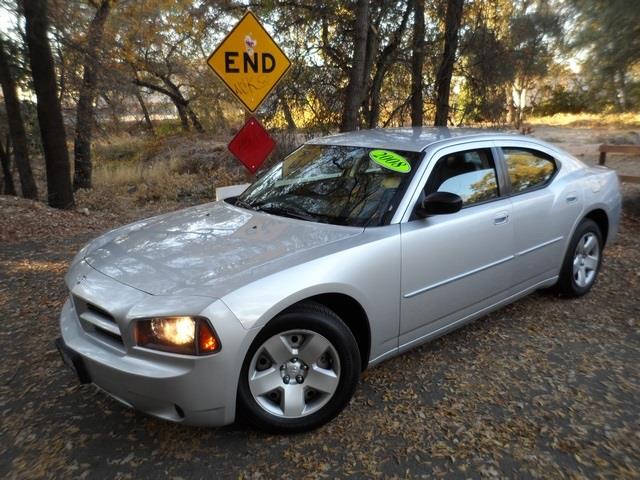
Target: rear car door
[542,212]
[456,264]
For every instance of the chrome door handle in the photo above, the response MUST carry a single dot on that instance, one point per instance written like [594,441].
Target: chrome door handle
[501,218]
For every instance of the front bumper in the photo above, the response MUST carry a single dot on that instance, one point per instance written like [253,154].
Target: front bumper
[73,361]
[180,388]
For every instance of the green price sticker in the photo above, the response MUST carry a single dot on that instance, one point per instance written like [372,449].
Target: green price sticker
[390,160]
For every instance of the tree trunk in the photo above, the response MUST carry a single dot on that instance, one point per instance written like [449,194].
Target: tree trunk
[62,75]
[182,105]
[182,113]
[373,46]
[621,89]
[87,97]
[16,128]
[385,60]
[417,61]
[288,116]
[145,112]
[354,92]
[519,93]
[172,91]
[195,121]
[376,87]
[522,104]
[445,71]
[113,112]
[511,111]
[56,155]
[5,160]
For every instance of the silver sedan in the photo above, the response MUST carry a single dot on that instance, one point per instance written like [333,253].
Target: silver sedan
[266,307]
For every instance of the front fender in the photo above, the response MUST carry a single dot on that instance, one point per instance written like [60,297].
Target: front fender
[369,273]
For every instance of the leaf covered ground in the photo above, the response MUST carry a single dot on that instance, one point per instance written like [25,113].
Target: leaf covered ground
[544,388]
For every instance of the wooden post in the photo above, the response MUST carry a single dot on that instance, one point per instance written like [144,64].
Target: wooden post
[603,158]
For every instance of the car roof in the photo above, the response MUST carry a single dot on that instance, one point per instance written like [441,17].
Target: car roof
[410,139]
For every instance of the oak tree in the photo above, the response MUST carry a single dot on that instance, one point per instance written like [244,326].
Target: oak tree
[52,131]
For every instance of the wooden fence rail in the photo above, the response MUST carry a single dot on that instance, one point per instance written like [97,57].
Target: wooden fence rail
[628,149]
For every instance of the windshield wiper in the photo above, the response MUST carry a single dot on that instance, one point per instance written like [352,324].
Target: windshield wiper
[289,212]
[243,204]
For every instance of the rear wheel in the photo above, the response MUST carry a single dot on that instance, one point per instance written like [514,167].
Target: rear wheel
[300,371]
[583,259]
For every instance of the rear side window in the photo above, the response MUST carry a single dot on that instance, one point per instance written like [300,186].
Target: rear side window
[528,169]
[470,174]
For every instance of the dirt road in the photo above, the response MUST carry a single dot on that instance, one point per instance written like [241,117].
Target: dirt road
[544,388]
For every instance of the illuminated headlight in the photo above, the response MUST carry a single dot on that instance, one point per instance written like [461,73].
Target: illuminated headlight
[186,335]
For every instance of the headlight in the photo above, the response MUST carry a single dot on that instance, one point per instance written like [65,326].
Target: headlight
[186,335]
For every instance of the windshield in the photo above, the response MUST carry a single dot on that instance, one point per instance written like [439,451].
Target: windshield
[341,185]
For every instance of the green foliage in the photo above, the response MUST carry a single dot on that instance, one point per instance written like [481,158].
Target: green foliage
[562,100]
[167,127]
[509,51]
[532,35]
[506,47]
[609,33]
[487,70]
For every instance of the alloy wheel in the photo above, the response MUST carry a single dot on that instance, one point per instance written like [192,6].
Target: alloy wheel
[294,373]
[586,260]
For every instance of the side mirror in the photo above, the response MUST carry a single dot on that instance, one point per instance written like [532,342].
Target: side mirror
[439,203]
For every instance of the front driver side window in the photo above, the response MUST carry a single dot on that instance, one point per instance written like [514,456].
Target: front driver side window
[470,174]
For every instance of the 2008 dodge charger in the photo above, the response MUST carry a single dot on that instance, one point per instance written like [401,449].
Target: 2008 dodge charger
[357,247]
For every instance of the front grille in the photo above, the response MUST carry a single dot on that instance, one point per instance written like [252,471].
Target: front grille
[101,312]
[98,322]
[106,333]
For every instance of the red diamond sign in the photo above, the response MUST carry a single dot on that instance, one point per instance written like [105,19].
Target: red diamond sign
[252,144]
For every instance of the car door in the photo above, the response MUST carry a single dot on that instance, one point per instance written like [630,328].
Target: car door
[542,213]
[456,264]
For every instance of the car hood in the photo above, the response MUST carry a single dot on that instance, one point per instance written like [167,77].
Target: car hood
[204,247]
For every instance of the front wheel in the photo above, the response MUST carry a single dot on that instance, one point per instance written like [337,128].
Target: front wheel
[300,371]
[582,261]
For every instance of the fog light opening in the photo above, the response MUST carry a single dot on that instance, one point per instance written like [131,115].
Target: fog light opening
[179,411]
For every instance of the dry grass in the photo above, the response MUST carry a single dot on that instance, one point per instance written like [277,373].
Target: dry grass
[130,172]
[171,168]
[609,120]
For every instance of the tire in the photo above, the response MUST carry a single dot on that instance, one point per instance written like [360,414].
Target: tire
[576,280]
[319,356]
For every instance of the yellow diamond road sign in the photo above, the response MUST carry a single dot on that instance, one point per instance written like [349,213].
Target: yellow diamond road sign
[249,62]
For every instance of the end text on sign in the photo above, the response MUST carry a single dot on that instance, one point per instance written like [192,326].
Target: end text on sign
[263,63]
